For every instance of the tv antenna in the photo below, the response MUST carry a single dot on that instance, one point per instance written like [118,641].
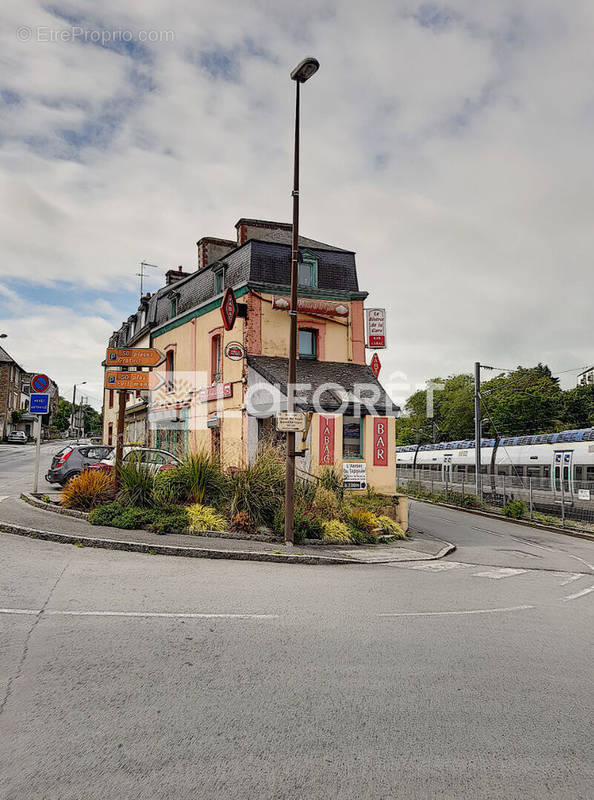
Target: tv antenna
[142,273]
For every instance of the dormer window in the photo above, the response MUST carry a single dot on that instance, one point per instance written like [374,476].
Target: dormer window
[174,300]
[131,329]
[219,279]
[143,318]
[308,270]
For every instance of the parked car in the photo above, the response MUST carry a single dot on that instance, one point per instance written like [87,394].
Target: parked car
[71,460]
[96,439]
[17,437]
[155,460]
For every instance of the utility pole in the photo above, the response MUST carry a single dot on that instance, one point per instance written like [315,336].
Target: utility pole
[477,429]
[302,72]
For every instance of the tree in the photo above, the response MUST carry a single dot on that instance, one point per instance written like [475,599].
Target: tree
[62,416]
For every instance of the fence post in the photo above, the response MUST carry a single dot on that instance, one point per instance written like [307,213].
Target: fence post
[431,481]
[462,486]
[530,496]
[562,500]
[503,489]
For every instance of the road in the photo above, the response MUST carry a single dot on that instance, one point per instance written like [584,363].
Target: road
[17,463]
[130,676]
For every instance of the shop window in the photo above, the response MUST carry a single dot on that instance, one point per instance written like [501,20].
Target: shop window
[352,437]
[308,343]
[216,358]
[169,370]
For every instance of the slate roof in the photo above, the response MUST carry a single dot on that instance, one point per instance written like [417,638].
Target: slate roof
[283,234]
[6,358]
[316,373]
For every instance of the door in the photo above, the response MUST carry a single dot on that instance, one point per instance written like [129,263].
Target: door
[562,482]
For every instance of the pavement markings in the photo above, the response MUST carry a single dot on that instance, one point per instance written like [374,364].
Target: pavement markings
[579,594]
[574,576]
[458,613]
[4,497]
[150,614]
[499,572]
[438,566]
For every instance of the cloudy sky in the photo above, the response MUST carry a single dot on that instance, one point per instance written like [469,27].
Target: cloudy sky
[449,144]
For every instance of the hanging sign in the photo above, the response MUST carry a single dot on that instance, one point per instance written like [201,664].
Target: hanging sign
[326,442]
[287,422]
[234,351]
[375,365]
[229,309]
[376,328]
[380,441]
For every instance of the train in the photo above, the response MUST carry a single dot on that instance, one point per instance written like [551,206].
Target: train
[559,467]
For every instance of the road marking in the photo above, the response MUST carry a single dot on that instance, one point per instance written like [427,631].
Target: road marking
[575,576]
[4,497]
[457,613]
[166,615]
[438,566]
[579,594]
[499,572]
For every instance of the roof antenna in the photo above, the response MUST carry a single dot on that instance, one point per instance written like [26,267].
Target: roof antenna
[142,275]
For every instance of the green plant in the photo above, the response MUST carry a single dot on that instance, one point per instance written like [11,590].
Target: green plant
[515,509]
[169,520]
[325,503]
[45,498]
[360,537]
[363,520]
[105,514]
[88,490]
[241,523]
[258,488]
[370,500]
[205,518]
[136,484]
[330,478]
[202,477]
[171,486]
[335,531]
[389,527]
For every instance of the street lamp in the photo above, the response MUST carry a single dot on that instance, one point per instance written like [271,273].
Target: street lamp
[302,72]
[72,415]
[3,335]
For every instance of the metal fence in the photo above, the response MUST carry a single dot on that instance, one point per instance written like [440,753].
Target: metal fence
[569,503]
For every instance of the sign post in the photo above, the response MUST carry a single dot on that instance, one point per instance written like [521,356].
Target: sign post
[37,452]
[119,439]
[39,405]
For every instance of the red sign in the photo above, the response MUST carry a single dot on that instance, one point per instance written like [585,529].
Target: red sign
[380,441]
[229,309]
[375,365]
[376,328]
[326,440]
[40,383]
[307,306]
[215,392]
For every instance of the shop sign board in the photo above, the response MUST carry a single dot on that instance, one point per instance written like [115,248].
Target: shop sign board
[290,422]
[380,442]
[354,474]
[216,392]
[326,441]
[305,305]
[376,328]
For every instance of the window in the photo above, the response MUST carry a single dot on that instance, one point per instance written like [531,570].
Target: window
[308,343]
[352,438]
[110,433]
[219,280]
[216,357]
[132,329]
[110,397]
[173,305]
[307,272]
[143,318]
[169,370]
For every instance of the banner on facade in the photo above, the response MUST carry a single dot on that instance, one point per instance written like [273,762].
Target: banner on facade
[380,442]
[307,306]
[216,392]
[326,442]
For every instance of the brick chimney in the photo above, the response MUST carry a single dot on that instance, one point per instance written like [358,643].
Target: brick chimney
[211,249]
[262,229]
[173,275]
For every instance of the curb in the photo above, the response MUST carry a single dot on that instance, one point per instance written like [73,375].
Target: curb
[526,523]
[67,512]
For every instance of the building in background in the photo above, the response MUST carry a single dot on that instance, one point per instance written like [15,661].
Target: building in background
[15,390]
[586,378]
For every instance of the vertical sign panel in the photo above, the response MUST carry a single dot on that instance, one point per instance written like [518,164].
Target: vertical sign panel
[326,440]
[376,328]
[380,441]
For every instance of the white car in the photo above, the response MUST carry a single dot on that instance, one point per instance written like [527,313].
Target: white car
[154,460]
[17,437]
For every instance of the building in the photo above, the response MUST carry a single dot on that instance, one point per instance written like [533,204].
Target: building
[222,389]
[586,378]
[15,390]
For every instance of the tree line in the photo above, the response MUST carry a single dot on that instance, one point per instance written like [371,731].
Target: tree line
[526,401]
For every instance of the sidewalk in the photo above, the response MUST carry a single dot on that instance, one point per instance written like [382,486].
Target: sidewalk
[18,517]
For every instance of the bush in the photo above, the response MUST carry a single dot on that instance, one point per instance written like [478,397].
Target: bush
[88,490]
[171,486]
[335,531]
[205,518]
[390,528]
[325,503]
[241,523]
[259,488]
[330,478]
[370,501]
[136,484]
[104,515]
[515,509]
[363,520]
[360,537]
[169,520]
[202,477]
[159,519]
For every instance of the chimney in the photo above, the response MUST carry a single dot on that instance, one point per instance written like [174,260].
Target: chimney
[211,249]
[173,275]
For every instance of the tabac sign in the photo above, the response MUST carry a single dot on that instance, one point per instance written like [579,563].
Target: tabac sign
[326,442]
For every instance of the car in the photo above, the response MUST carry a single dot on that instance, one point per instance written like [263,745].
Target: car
[96,439]
[71,460]
[17,437]
[155,460]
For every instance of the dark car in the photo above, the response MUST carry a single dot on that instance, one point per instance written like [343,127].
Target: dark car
[73,459]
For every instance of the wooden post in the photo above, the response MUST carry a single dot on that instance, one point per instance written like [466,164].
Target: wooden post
[119,438]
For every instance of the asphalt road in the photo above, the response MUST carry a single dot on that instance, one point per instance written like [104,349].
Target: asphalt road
[17,463]
[128,676]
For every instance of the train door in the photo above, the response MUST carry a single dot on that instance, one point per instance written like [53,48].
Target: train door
[561,475]
[447,469]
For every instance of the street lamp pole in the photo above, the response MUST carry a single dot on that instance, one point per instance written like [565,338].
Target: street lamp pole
[302,72]
[73,412]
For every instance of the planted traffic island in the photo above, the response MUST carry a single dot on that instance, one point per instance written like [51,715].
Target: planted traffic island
[200,498]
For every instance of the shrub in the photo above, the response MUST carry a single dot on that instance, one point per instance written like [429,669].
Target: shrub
[363,520]
[515,509]
[241,523]
[371,500]
[258,488]
[205,518]
[390,528]
[330,478]
[360,537]
[169,520]
[335,531]
[325,503]
[104,515]
[305,490]
[136,484]
[88,490]
[202,476]
[171,486]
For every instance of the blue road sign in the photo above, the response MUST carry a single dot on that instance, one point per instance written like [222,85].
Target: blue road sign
[39,404]
[40,383]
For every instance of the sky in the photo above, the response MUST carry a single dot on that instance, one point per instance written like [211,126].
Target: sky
[448,144]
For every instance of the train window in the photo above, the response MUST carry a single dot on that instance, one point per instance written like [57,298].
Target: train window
[484,469]
[546,471]
[471,469]
[590,473]
[502,470]
[533,472]
[588,435]
[578,473]
[518,471]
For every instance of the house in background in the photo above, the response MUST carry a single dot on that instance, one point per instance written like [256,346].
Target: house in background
[15,390]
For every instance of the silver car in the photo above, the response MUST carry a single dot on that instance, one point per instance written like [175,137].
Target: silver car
[17,437]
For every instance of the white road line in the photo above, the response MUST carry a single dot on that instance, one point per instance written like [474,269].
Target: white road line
[579,594]
[574,576]
[437,566]
[166,615]
[4,497]
[499,572]
[457,613]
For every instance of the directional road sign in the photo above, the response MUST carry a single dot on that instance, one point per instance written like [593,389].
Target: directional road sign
[134,357]
[131,381]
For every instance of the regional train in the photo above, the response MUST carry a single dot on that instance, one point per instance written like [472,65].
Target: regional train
[561,466]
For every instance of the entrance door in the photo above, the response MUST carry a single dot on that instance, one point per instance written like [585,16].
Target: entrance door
[561,475]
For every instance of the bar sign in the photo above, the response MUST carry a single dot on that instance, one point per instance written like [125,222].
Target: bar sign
[380,441]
